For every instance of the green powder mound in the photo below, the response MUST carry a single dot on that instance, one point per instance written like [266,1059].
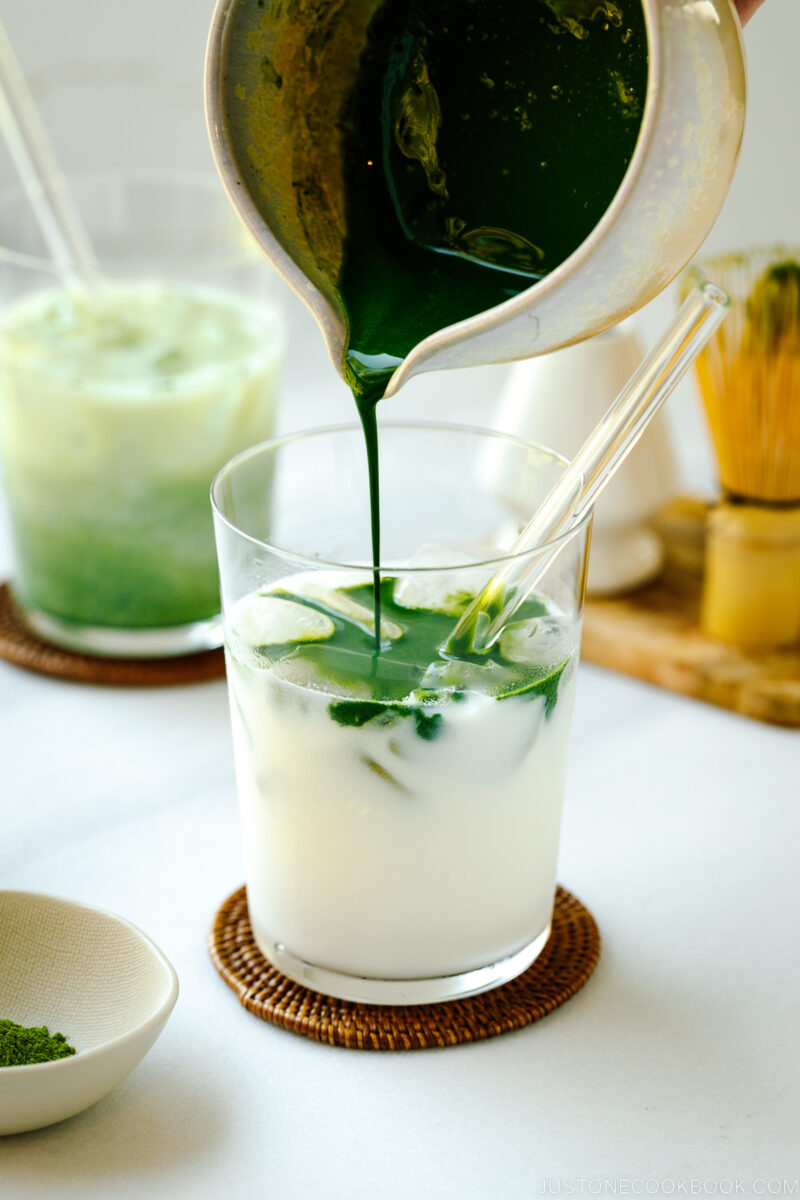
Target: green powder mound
[20,1046]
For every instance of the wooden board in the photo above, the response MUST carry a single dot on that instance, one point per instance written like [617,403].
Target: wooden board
[653,634]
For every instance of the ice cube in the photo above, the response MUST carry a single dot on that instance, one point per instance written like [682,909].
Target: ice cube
[539,641]
[345,606]
[445,580]
[457,676]
[263,620]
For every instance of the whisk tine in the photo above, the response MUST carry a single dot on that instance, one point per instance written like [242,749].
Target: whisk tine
[749,379]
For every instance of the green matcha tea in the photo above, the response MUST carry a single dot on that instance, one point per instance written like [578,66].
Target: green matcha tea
[482,145]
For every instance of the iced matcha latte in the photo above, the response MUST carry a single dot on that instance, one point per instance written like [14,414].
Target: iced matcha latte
[439,781]
[117,407]
[401,805]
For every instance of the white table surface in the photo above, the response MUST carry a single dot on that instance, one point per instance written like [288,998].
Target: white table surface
[674,1071]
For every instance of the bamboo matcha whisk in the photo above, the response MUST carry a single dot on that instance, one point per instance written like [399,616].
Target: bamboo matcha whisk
[749,379]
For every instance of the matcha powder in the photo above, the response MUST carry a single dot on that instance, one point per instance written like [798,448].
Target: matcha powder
[19,1047]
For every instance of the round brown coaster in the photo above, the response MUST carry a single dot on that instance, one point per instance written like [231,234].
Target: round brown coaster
[20,646]
[561,969]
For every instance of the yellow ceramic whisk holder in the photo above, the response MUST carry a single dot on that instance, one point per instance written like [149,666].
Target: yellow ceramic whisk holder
[751,589]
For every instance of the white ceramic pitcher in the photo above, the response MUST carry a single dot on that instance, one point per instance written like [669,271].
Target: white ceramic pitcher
[668,200]
[557,399]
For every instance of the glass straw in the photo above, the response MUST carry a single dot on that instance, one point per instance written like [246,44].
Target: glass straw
[41,175]
[591,469]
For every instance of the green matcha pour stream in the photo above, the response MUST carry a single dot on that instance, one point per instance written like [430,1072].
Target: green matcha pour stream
[484,143]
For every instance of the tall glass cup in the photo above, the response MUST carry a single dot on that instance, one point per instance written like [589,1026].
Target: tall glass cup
[120,401]
[400,807]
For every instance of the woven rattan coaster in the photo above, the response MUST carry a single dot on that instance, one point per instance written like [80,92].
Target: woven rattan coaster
[18,645]
[559,972]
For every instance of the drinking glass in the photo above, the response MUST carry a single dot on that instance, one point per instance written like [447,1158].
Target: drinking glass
[119,402]
[400,805]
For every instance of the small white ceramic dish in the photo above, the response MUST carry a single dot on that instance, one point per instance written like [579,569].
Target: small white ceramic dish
[87,974]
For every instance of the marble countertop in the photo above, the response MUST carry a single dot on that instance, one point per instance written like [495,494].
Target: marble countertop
[679,1060]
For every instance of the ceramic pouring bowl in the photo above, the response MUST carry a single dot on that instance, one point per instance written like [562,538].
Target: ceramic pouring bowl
[668,200]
